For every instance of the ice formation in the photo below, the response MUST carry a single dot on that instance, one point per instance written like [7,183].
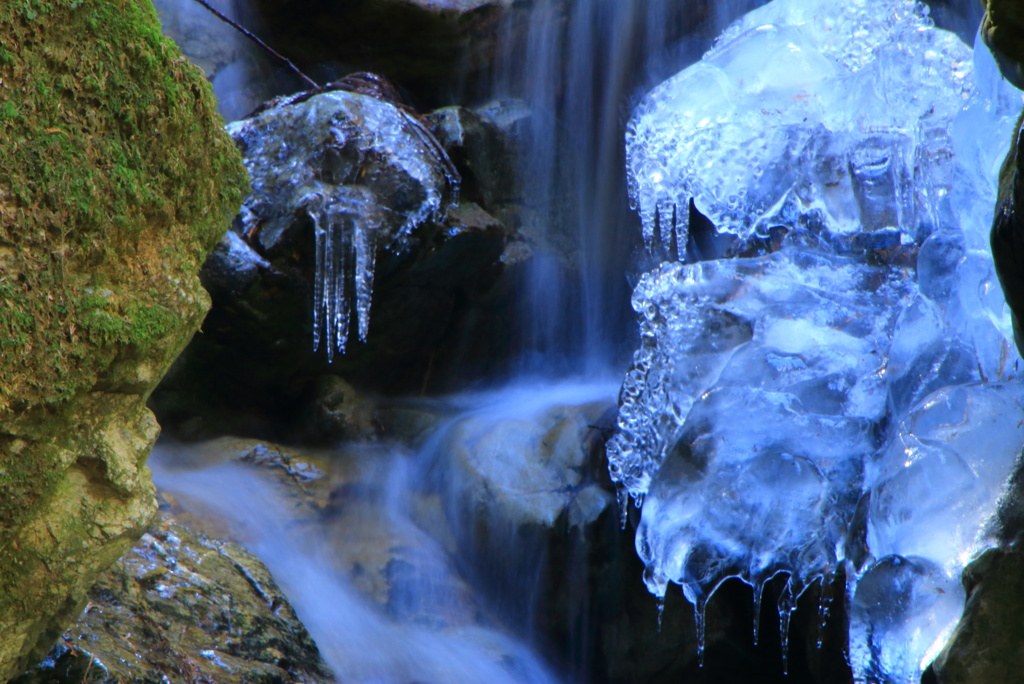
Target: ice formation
[363,172]
[856,352]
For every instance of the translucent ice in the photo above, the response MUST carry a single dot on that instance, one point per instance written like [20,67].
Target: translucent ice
[828,122]
[845,393]
[902,612]
[364,174]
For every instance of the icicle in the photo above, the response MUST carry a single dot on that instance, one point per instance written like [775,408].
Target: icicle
[824,605]
[333,301]
[342,274]
[649,226]
[699,608]
[677,249]
[622,501]
[320,238]
[787,604]
[653,236]
[758,595]
[365,249]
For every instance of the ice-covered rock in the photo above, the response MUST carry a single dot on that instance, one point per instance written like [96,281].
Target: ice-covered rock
[332,159]
[845,393]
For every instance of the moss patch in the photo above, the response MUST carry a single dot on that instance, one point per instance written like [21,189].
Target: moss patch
[105,131]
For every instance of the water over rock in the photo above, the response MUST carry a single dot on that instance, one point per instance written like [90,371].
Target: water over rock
[118,179]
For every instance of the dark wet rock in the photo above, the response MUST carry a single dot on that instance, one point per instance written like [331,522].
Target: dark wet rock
[182,607]
[986,646]
[338,412]
[1002,29]
[424,45]
[481,151]
[1007,236]
[233,266]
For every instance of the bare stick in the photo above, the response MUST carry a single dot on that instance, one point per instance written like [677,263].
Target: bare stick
[245,32]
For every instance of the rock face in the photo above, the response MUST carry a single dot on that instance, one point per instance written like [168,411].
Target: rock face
[117,181]
[420,44]
[1001,29]
[184,607]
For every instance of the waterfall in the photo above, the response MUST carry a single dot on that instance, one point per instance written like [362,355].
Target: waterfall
[576,66]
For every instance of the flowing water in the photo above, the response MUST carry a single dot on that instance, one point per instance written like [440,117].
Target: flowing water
[578,67]
[403,513]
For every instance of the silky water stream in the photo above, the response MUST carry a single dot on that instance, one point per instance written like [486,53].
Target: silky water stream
[386,574]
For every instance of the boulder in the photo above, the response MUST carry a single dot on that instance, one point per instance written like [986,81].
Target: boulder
[483,153]
[118,179]
[184,607]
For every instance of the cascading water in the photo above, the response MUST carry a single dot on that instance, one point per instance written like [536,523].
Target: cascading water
[376,576]
[575,67]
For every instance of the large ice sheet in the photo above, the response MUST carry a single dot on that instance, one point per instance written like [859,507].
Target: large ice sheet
[853,376]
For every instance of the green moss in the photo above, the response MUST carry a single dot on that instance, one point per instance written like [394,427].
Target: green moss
[24,482]
[112,164]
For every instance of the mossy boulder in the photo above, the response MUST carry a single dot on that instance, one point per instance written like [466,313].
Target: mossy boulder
[115,180]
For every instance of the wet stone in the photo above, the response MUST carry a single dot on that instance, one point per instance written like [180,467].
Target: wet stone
[184,607]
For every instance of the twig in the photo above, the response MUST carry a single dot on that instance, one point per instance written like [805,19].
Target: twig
[245,32]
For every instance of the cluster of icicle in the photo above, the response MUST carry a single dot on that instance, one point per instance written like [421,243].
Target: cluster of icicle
[363,171]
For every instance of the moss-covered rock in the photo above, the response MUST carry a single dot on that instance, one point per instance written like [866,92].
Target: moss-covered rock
[115,180]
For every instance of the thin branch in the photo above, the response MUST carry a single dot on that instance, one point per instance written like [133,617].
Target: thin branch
[245,32]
